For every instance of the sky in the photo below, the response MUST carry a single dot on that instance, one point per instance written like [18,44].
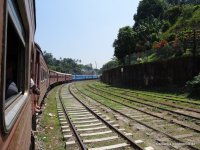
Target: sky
[82,29]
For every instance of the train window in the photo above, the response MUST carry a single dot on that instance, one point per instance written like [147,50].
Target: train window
[14,64]
[37,74]
[14,87]
[14,14]
[40,74]
[43,74]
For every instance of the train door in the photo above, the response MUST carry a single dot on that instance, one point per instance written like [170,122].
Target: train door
[33,74]
[37,69]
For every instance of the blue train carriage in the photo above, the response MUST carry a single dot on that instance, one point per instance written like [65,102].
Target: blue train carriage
[84,77]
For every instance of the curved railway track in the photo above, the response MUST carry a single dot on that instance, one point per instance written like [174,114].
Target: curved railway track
[190,113]
[86,128]
[164,96]
[188,125]
[188,138]
[174,116]
[151,98]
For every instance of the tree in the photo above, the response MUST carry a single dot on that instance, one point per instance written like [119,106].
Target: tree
[48,58]
[125,43]
[88,69]
[149,8]
[148,31]
[172,14]
[67,65]
[111,64]
[173,2]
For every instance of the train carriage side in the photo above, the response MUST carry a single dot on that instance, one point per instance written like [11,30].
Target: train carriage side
[42,78]
[53,77]
[68,77]
[17,28]
[61,77]
[56,78]
[84,77]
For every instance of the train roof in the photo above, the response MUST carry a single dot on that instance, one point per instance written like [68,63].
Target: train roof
[60,72]
[39,48]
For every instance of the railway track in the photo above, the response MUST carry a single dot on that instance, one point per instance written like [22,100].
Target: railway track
[170,115]
[167,101]
[177,132]
[190,113]
[170,98]
[84,127]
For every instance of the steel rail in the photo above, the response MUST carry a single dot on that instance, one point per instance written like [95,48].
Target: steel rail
[151,105]
[193,102]
[80,142]
[132,143]
[162,103]
[180,141]
[174,121]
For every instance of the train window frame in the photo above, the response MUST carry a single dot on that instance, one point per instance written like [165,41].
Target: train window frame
[15,16]
[13,105]
[41,75]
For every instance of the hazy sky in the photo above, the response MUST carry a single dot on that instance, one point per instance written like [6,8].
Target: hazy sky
[82,29]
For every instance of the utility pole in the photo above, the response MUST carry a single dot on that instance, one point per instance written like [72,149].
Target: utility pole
[96,67]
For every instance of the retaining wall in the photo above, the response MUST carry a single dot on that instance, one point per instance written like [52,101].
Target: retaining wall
[173,72]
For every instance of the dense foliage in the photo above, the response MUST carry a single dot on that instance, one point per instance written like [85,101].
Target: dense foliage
[174,2]
[125,42]
[68,65]
[163,29]
[111,64]
[149,8]
[194,86]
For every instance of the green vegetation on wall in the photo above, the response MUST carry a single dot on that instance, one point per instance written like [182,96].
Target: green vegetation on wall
[194,86]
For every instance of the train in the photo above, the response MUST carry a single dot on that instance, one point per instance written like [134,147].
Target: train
[22,64]
[84,77]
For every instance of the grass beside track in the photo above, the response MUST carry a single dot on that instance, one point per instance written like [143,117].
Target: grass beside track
[93,92]
[98,98]
[49,131]
[147,94]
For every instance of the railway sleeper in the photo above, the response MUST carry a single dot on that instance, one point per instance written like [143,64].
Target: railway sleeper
[91,129]
[121,145]
[88,121]
[64,123]
[70,143]
[88,125]
[86,117]
[107,140]
[66,136]
[81,116]
[65,130]
[100,139]
[79,113]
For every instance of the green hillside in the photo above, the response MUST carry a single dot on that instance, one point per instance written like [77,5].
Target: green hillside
[188,19]
[163,29]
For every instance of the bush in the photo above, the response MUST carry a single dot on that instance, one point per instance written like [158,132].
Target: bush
[194,86]
[159,45]
[165,52]
[188,11]
[172,14]
[171,37]
[166,26]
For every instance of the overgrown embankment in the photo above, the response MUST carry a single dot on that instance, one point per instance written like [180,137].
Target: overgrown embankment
[49,135]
